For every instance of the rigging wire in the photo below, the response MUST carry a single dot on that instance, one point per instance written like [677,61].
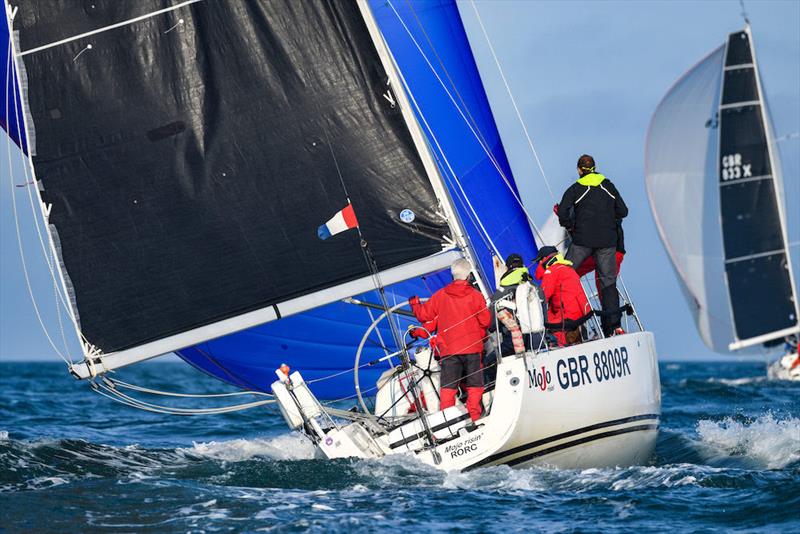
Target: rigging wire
[108,390]
[513,100]
[17,225]
[126,385]
[453,85]
[744,13]
[486,149]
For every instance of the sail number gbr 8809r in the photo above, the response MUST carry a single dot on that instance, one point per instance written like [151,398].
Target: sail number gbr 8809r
[580,370]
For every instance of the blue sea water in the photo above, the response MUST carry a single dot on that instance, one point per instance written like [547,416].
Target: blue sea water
[728,458]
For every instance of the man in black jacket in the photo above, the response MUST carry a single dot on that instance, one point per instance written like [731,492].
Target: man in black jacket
[591,209]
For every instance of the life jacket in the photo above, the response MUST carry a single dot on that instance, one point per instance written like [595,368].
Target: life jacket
[515,276]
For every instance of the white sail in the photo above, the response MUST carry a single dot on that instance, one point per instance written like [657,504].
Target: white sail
[680,156]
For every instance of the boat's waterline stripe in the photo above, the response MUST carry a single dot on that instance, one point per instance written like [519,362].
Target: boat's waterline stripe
[539,443]
[581,441]
[106,28]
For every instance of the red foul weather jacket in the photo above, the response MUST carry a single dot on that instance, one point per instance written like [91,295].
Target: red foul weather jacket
[461,315]
[563,293]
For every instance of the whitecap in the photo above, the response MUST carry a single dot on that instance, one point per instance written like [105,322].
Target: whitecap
[775,443]
[46,482]
[283,447]
[737,381]
[500,478]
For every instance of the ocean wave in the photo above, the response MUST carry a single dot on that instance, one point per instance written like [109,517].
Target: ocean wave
[738,381]
[284,447]
[504,479]
[769,442]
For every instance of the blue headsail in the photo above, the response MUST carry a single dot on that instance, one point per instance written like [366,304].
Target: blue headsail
[430,46]
[10,108]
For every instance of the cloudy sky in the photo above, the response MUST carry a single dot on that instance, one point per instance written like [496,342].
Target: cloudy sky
[587,77]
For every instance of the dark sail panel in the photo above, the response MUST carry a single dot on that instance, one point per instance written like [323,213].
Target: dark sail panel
[750,219]
[739,52]
[740,86]
[190,164]
[761,295]
[743,144]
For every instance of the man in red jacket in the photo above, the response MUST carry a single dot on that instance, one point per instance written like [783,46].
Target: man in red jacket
[562,292]
[462,318]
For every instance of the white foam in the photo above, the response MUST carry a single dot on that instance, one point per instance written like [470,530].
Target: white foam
[46,482]
[3,435]
[738,381]
[501,479]
[324,507]
[395,467]
[775,443]
[283,447]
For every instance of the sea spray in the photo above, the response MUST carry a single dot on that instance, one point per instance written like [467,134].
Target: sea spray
[773,443]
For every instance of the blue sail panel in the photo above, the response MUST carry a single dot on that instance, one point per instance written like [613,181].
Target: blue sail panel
[430,46]
[454,112]
[10,108]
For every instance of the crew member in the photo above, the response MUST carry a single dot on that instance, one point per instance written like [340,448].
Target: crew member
[512,341]
[515,274]
[591,209]
[462,318]
[562,292]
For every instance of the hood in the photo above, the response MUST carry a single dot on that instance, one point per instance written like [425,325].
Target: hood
[591,179]
[459,288]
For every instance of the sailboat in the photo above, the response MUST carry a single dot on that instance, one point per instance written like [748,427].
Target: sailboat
[715,188]
[237,180]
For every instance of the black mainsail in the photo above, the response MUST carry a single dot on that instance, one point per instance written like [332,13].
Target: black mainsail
[715,188]
[190,150]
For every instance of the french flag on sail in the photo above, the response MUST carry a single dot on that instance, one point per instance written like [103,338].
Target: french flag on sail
[345,219]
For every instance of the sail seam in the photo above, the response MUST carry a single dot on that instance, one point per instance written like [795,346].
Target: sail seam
[743,180]
[107,28]
[739,66]
[741,104]
[755,256]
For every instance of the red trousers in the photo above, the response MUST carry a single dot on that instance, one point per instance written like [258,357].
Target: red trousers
[474,395]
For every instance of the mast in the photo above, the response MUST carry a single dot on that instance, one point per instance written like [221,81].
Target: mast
[423,148]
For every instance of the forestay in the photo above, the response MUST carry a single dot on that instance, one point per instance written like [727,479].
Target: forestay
[190,156]
[715,192]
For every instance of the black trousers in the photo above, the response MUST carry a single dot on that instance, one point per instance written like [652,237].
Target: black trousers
[461,368]
[605,258]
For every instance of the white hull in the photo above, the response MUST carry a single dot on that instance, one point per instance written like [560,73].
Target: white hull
[588,423]
[782,369]
[565,408]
